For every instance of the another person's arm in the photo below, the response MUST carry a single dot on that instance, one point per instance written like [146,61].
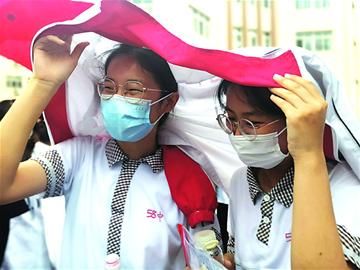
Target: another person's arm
[315,240]
[52,66]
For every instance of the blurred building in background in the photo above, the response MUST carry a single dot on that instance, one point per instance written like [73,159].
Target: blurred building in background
[13,78]
[329,28]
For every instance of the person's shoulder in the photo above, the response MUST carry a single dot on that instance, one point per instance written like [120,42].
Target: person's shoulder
[86,141]
[238,180]
[239,173]
[345,185]
[81,144]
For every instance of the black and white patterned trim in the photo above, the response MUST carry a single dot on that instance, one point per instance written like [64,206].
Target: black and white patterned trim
[266,208]
[128,167]
[118,205]
[254,188]
[231,245]
[351,246]
[282,192]
[55,172]
[114,154]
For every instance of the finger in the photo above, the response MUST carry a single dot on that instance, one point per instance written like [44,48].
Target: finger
[285,106]
[55,39]
[78,50]
[307,84]
[294,87]
[228,264]
[289,96]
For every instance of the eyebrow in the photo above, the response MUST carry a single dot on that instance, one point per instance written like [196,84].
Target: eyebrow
[129,80]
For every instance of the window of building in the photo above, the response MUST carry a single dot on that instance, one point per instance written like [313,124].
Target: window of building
[267,39]
[201,22]
[14,82]
[237,37]
[266,3]
[314,41]
[252,34]
[303,4]
[142,1]
[300,4]
[144,4]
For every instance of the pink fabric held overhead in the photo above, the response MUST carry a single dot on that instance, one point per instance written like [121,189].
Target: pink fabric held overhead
[124,22]
[20,20]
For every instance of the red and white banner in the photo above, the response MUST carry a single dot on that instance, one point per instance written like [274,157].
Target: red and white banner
[74,109]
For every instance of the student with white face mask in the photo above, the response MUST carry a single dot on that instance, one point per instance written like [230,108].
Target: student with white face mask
[121,193]
[289,208]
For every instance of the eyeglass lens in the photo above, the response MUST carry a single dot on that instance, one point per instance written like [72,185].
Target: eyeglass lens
[107,88]
[245,126]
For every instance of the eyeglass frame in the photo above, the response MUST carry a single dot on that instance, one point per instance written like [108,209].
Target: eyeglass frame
[236,126]
[117,86]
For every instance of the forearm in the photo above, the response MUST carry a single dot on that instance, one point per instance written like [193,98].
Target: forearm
[315,240]
[16,127]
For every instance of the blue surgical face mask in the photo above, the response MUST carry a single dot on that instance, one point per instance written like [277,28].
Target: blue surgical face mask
[128,121]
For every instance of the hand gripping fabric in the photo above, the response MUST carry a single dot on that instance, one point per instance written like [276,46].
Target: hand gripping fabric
[190,187]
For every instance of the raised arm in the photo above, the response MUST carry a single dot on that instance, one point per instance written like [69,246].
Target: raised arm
[53,64]
[315,240]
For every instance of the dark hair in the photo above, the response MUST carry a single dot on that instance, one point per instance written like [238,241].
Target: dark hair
[257,97]
[149,61]
[41,132]
[5,106]
[152,63]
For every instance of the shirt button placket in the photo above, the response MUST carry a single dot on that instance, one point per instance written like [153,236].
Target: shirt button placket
[266,220]
[266,209]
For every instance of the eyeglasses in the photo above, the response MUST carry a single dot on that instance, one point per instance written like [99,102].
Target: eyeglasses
[246,127]
[133,90]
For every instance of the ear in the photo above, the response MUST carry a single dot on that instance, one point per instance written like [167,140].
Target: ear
[170,102]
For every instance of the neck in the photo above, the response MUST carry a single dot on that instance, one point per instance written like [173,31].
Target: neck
[268,178]
[142,148]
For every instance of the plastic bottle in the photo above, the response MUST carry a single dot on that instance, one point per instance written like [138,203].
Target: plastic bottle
[112,262]
[206,240]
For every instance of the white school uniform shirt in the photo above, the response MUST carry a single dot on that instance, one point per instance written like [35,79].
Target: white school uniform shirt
[79,168]
[260,223]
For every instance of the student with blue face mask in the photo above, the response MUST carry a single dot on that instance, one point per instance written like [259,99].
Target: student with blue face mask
[126,107]
[291,207]
[118,194]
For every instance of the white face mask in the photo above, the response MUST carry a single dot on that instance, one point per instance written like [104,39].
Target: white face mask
[263,152]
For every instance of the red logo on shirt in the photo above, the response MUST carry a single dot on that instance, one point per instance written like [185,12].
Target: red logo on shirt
[151,213]
[288,237]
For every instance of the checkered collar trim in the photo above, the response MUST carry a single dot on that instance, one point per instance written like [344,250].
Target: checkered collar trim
[282,192]
[114,154]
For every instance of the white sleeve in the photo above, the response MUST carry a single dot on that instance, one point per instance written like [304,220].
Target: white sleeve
[59,163]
